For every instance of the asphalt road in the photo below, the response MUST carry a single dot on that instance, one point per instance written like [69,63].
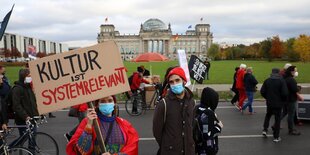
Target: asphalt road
[241,133]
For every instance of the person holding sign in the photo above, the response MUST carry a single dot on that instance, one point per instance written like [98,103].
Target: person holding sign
[119,135]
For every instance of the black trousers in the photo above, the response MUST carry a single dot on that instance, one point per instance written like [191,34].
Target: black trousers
[236,97]
[277,116]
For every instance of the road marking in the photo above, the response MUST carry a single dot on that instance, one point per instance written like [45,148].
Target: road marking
[221,137]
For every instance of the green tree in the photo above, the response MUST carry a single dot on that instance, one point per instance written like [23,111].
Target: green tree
[265,47]
[291,54]
[213,52]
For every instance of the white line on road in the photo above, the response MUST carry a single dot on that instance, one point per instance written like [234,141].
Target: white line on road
[221,137]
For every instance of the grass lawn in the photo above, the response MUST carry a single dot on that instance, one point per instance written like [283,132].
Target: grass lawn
[221,72]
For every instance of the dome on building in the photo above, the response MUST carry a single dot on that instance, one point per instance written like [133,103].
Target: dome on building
[154,24]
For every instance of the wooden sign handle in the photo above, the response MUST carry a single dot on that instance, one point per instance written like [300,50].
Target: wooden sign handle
[98,131]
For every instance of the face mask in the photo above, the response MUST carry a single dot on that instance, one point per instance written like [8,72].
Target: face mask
[28,80]
[106,108]
[177,88]
[295,74]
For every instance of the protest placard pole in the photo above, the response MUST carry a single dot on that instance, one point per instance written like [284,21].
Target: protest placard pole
[193,85]
[98,131]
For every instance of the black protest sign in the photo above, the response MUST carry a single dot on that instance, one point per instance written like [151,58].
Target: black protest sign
[197,69]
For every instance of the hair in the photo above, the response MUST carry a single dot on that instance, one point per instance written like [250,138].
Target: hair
[289,70]
[237,68]
[249,69]
[209,98]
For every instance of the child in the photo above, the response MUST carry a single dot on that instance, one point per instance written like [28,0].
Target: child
[206,124]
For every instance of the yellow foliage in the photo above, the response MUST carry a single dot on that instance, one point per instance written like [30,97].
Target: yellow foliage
[302,47]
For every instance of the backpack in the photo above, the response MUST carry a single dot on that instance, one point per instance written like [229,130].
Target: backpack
[205,131]
[9,102]
[130,79]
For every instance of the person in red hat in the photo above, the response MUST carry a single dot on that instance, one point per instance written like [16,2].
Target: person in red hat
[173,117]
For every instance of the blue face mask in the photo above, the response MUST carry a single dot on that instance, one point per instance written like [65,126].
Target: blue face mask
[177,88]
[106,108]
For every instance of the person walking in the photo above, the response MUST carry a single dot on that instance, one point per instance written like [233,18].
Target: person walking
[274,90]
[250,83]
[234,89]
[240,85]
[173,117]
[208,65]
[293,96]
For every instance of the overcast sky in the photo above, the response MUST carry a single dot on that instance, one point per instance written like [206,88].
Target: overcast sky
[77,22]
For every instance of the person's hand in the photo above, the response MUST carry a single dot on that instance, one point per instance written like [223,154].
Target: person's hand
[107,153]
[299,97]
[28,118]
[91,115]
[4,127]
[220,124]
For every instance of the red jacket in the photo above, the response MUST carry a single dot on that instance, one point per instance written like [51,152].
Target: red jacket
[130,135]
[136,81]
[240,77]
[81,107]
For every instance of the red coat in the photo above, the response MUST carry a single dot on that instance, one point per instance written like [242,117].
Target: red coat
[240,77]
[136,81]
[130,135]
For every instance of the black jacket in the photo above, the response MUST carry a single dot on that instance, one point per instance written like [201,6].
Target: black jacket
[274,90]
[292,89]
[250,82]
[24,102]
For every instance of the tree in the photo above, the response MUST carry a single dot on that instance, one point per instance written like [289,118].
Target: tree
[15,53]
[302,47]
[291,54]
[277,49]
[265,47]
[214,51]
[7,53]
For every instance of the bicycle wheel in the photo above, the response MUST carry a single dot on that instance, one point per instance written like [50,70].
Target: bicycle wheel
[129,106]
[44,144]
[154,100]
[18,151]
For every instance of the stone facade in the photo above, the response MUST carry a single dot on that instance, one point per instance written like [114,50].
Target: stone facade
[155,36]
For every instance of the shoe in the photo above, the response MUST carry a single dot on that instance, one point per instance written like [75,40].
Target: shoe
[51,116]
[276,140]
[294,133]
[264,133]
[67,136]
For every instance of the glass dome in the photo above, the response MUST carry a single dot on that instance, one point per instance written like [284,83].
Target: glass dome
[154,24]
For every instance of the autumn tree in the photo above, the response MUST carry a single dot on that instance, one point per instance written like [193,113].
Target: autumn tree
[302,47]
[213,51]
[291,54]
[277,49]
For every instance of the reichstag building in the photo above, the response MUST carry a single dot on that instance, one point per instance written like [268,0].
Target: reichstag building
[156,36]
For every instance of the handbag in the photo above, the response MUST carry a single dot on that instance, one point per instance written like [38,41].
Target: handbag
[73,112]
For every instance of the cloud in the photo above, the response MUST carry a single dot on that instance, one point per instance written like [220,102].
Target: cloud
[237,21]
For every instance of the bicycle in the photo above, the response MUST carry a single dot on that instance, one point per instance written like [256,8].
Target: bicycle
[5,149]
[38,142]
[137,100]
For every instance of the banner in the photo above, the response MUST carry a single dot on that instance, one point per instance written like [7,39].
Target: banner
[197,68]
[183,64]
[78,76]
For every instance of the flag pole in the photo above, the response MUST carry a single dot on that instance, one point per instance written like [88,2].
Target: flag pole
[98,131]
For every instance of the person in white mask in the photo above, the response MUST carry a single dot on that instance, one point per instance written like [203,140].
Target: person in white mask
[23,100]
[119,135]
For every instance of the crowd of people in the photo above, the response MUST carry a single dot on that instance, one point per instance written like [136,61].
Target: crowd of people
[179,125]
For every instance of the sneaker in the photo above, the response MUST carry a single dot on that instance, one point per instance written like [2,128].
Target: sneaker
[276,140]
[67,136]
[294,133]
[264,133]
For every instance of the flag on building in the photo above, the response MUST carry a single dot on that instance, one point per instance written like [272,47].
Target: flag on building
[106,19]
[5,22]
[189,27]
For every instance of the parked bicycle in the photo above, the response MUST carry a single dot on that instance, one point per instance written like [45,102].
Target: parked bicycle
[137,100]
[38,142]
[5,149]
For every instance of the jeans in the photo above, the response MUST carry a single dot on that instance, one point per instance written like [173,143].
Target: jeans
[277,116]
[250,96]
[81,116]
[289,110]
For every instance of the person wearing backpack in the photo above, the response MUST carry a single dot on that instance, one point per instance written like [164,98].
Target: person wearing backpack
[206,124]
[173,117]
[23,100]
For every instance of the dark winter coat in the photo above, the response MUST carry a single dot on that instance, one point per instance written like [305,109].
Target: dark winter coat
[24,102]
[292,89]
[176,133]
[274,90]
[250,82]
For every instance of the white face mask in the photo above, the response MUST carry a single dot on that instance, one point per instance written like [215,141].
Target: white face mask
[28,80]
[295,74]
